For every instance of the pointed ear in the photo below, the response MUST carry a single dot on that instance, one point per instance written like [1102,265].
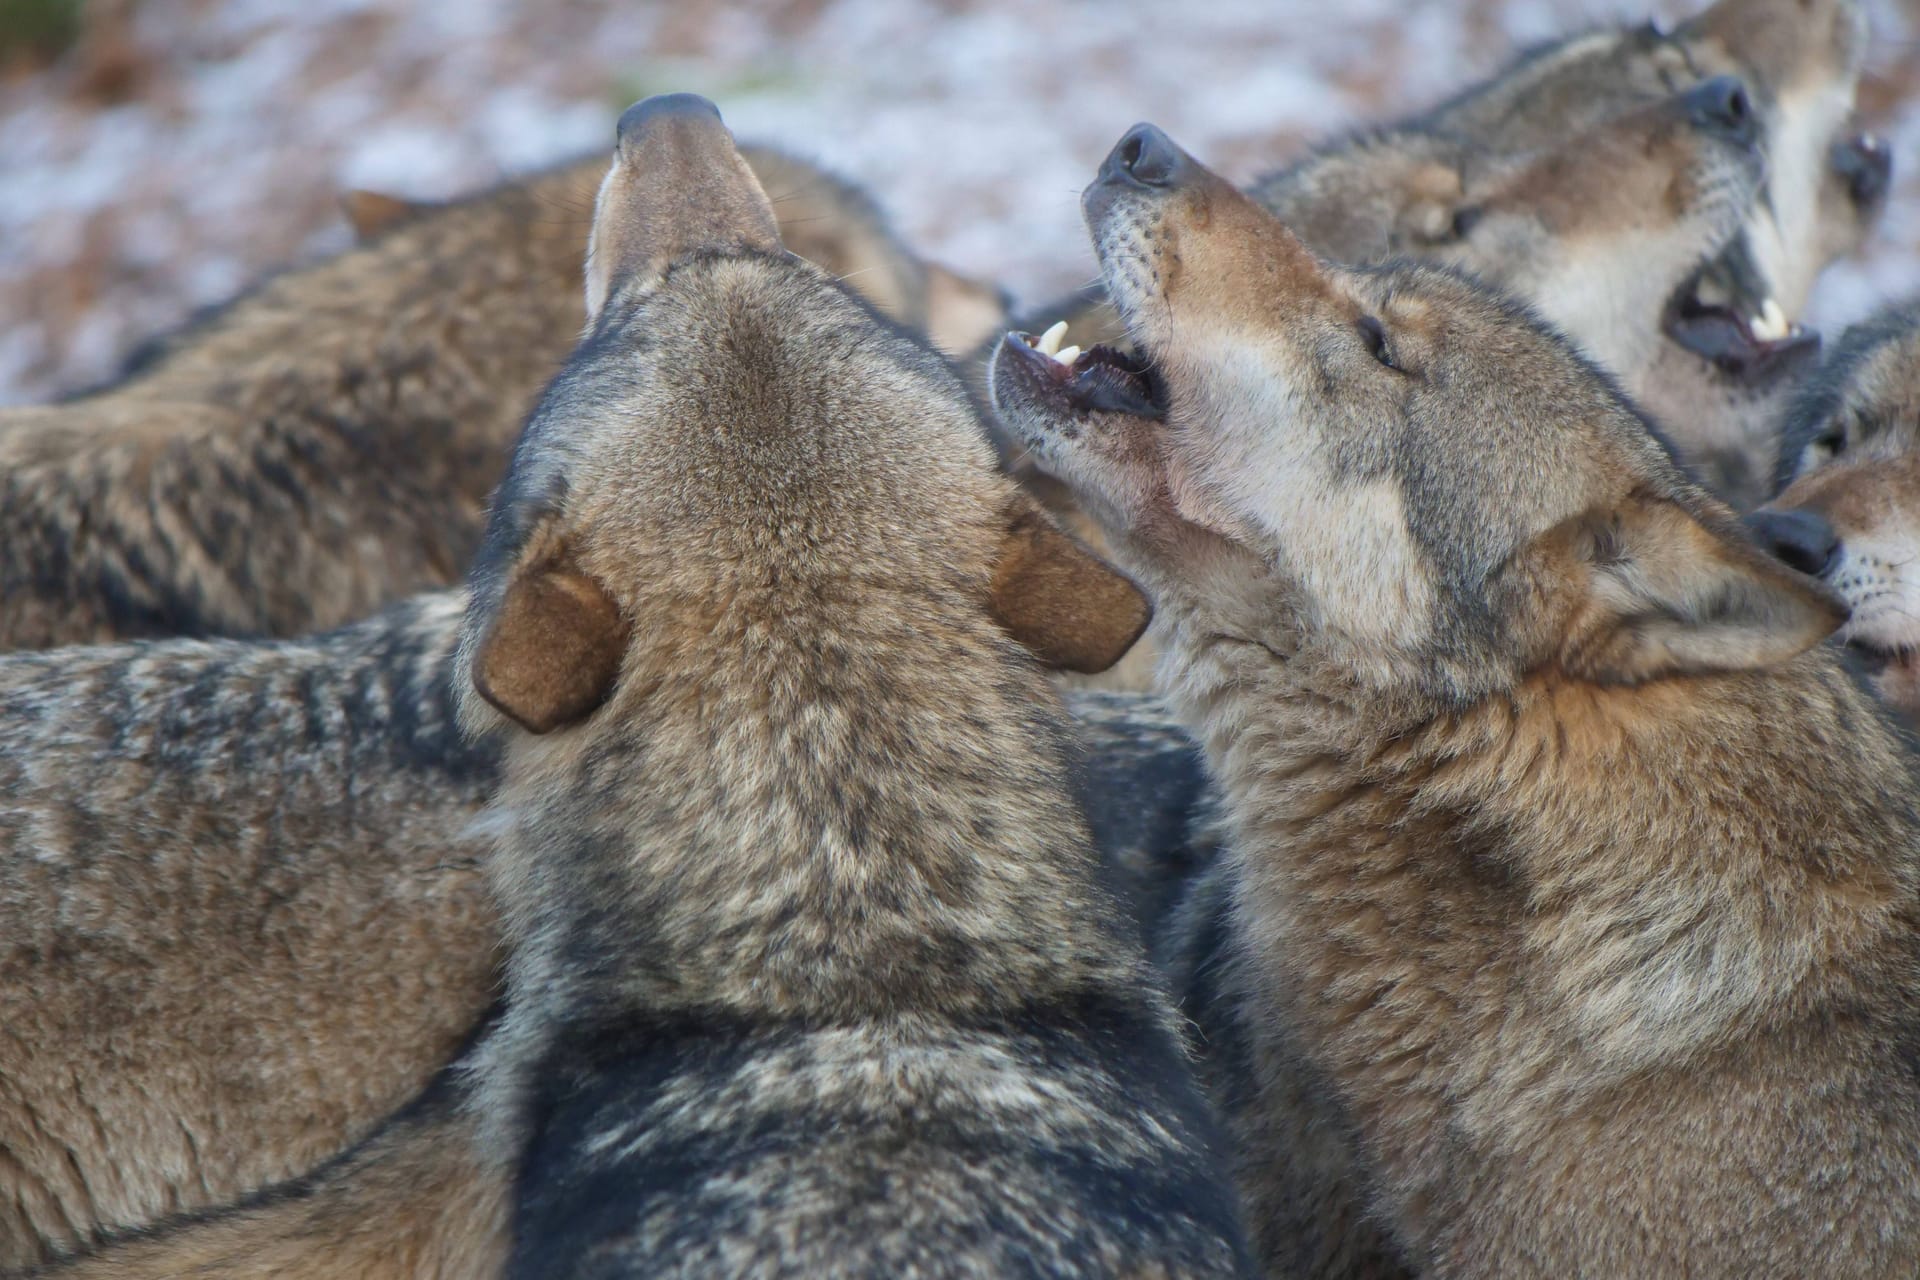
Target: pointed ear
[1072,609]
[552,651]
[1672,595]
[370,213]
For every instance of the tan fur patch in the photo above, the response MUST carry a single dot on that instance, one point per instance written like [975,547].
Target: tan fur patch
[1061,601]
[554,649]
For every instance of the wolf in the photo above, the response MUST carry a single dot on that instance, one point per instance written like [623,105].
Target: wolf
[1801,60]
[287,823]
[810,970]
[824,217]
[1716,351]
[326,444]
[1849,508]
[1649,197]
[414,1200]
[240,921]
[1606,973]
[291,824]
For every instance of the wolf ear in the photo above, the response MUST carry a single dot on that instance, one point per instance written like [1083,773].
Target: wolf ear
[1072,609]
[1673,596]
[553,648]
[370,213]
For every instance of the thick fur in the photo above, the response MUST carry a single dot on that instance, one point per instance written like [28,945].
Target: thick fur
[326,444]
[811,972]
[1582,874]
[286,824]
[1601,231]
[1153,810]
[241,921]
[1533,181]
[416,1200]
[1850,458]
[825,219]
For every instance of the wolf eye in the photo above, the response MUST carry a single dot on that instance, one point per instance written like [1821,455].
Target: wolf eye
[1831,442]
[1465,220]
[1374,334]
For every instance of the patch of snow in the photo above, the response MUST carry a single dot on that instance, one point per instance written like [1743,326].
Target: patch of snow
[975,125]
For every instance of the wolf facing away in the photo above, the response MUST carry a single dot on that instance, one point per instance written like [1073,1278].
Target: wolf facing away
[1560,847]
[1849,508]
[824,218]
[809,969]
[326,444]
[341,747]
[287,823]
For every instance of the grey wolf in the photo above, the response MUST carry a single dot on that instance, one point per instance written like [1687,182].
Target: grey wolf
[1600,231]
[326,444]
[288,823]
[1849,510]
[1606,972]
[810,970]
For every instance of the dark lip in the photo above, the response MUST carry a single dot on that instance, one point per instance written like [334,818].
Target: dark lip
[1720,335]
[1721,338]
[1102,379]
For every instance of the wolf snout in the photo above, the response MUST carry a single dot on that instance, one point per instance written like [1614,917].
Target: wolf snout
[1723,107]
[1799,538]
[679,114]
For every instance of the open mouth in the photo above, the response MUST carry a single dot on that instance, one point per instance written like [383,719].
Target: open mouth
[1725,314]
[1100,379]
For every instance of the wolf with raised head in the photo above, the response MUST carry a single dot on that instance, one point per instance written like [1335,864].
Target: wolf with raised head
[1581,876]
[810,970]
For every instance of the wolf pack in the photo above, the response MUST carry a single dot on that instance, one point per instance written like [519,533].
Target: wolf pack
[632,726]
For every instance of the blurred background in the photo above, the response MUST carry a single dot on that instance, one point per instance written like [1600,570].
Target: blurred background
[156,156]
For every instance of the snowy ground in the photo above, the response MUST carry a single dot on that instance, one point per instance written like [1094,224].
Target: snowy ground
[191,145]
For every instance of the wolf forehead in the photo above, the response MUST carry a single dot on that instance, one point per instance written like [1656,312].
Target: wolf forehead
[1871,381]
[741,385]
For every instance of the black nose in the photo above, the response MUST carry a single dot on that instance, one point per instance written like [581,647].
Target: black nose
[1722,106]
[1865,164]
[662,108]
[1797,537]
[1144,157]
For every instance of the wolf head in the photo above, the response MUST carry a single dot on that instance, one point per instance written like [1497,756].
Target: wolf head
[1608,231]
[1849,510]
[1800,60]
[738,443]
[1732,352]
[1601,231]
[1407,469]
